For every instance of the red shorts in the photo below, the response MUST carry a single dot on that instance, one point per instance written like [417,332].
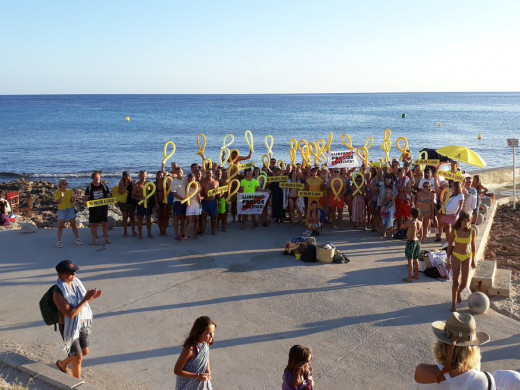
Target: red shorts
[337,204]
[402,208]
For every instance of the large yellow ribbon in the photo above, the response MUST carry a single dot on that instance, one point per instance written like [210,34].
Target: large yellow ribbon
[231,192]
[313,151]
[249,140]
[225,153]
[444,202]
[281,164]
[202,147]
[387,144]
[360,187]
[166,156]
[266,160]
[234,160]
[362,153]
[305,152]
[263,175]
[322,149]
[207,161]
[336,192]
[369,142]
[269,145]
[423,156]
[167,189]
[347,141]
[292,156]
[329,144]
[403,149]
[147,195]
[191,194]
[232,172]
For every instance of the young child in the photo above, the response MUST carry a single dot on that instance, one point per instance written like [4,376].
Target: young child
[192,367]
[313,220]
[298,373]
[413,246]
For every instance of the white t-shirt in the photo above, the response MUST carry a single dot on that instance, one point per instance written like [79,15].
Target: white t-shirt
[507,380]
[430,180]
[453,204]
[471,380]
[179,186]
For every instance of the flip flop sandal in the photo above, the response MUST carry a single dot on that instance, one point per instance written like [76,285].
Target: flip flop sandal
[59,245]
[79,242]
[65,371]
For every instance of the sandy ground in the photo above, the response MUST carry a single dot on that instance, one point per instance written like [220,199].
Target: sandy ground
[504,246]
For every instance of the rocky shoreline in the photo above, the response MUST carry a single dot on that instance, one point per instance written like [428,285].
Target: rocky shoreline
[44,209]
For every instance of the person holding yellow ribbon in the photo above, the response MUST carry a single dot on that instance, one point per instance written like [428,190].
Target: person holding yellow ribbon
[162,207]
[358,201]
[128,208]
[97,215]
[141,211]
[193,193]
[336,191]
[222,207]
[209,204]
[291,197]
[314,183]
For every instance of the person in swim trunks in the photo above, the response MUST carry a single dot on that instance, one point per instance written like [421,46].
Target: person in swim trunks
[461,248]
[413,247]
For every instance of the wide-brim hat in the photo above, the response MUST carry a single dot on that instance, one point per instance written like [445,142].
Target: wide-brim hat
[459,329]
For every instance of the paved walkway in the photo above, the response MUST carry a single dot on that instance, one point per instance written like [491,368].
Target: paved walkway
[366,327]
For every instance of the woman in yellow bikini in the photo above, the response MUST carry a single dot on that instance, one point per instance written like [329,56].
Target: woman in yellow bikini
[461,250]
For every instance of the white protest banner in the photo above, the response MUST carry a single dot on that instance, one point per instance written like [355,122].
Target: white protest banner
[343,159]
[253,203]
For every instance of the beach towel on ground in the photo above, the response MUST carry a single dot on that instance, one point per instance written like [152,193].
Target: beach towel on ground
[74,296]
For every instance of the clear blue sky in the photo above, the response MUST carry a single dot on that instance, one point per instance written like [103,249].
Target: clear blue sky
[262,46]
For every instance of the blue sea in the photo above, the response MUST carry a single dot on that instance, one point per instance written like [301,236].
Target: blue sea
[51,136]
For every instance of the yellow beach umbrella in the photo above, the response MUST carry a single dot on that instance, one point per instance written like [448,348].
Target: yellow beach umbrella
[462,154]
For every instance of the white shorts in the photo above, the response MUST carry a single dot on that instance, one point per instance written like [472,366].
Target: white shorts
[193,209]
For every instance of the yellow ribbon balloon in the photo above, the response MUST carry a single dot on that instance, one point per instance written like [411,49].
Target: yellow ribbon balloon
[358,187]
[313,150]
[232,172]
[322,147]
[191,194]
[147,195]
[347,141]
[167,189]
[207,161]
[249,140]
[227,144]
[232,193]
[234,160]
[225,153]
[305,152]
[336,192]
[369,142]
[403,149]
[362,153]
[269,145]
[444,202]
[202,147]
[166,157]
[300,143]
[265,160]
[292,156]
[281,164]
[387,144]
[263,175]
[329,144]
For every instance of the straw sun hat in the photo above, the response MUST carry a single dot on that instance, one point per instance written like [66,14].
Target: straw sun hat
[459,329]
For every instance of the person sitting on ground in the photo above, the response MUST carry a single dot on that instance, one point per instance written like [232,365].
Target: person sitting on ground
[4,210]
[313,219]
[458,356]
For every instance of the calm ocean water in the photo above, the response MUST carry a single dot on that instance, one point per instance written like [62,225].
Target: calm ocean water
[47,137]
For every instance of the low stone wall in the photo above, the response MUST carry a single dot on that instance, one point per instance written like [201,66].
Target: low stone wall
[497,177]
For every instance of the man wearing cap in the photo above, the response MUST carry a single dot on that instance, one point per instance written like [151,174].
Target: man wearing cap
[99,214]
[75,316]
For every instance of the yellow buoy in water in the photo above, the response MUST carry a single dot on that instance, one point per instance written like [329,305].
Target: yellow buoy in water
[439,124]
[128,119]
[479,136]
